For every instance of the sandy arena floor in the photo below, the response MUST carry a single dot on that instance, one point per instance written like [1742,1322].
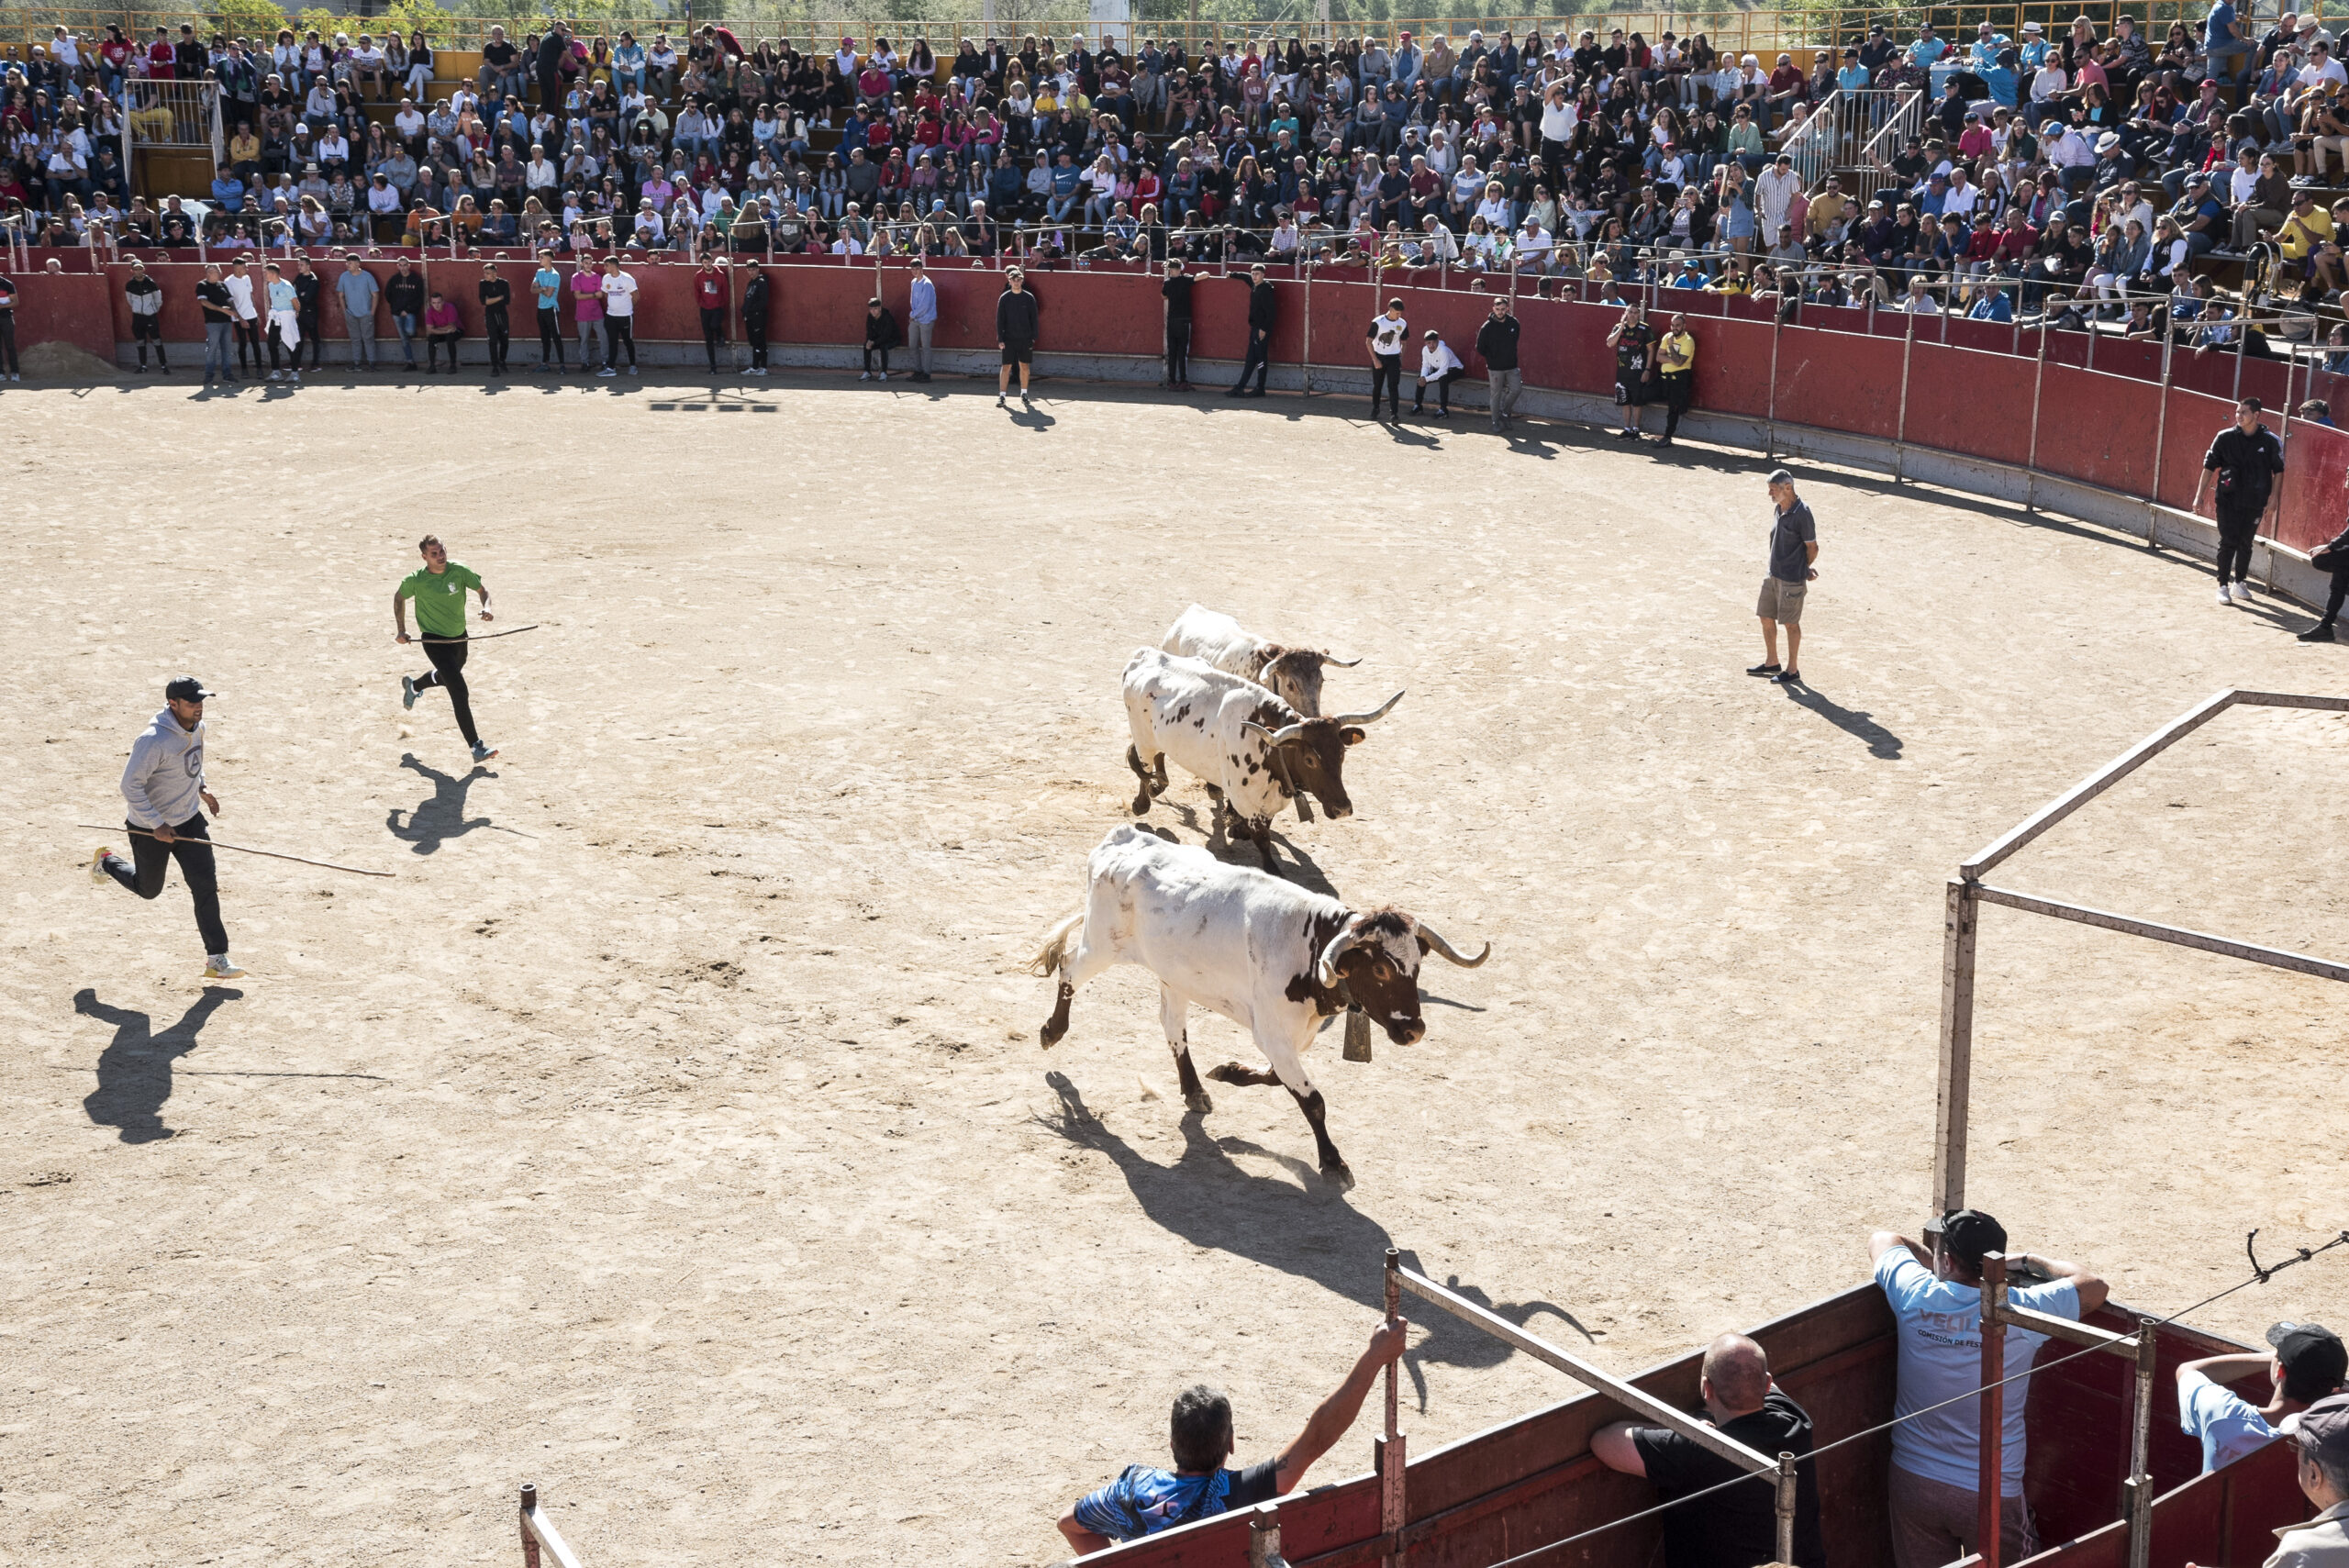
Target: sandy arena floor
[672,1131]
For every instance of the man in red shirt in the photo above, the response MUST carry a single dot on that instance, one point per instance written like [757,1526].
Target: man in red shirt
[713,292]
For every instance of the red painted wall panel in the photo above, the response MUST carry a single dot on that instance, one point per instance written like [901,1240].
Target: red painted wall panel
[1963,401]
[2097,429]
[1837,382]
[2315,461]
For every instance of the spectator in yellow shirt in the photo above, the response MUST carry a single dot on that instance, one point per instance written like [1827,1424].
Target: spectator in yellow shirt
[1830,213]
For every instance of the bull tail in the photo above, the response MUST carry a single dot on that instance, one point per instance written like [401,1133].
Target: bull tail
[1049,957]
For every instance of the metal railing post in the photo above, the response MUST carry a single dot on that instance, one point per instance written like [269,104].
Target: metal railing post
[1305,366]
[2031,463]
[1770,415]
[1786,1508]
[1391,1460]
[1961,911]
[2140,1485]
[2161,430]
[1901,427]
[1991,1475]
[530,1542]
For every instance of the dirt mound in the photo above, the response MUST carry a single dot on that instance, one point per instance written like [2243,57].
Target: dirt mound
[63,362]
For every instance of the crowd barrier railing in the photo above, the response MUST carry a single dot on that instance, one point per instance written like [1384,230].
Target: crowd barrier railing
[2026,409]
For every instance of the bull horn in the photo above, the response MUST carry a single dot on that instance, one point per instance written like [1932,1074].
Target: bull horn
[1325,969]
[1282,734]
[1434,938]
[1340,664]
[1345,719]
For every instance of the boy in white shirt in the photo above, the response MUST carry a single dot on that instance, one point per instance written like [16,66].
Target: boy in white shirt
[1438,368]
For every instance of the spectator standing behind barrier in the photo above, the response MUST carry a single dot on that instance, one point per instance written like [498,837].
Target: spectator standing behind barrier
[442,329]
[284,324]
[1496,342]
[146,298]
[2322,1438]
[1438,368]
[1016,316]
[1937,1299]
[1145,1499]
[880,336]
[2333,557]
[1794,546]
[587,309]
[1737,1527]
[754,316]
[1676,360]
[1385,335]
[620,312]
[546,286]
[9,364]
[358,291]
[219,320]
[1176,291]
[246,319]
[496,316]
[922,319]
[2246,457]
[713,294]
[2307,1363]
[404,297]
[1263,315]
[309,290]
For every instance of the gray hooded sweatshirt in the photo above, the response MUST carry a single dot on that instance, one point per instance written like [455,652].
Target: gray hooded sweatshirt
[165,773]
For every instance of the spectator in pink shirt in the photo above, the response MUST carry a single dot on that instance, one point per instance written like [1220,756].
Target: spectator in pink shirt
[587,306]
[442,327]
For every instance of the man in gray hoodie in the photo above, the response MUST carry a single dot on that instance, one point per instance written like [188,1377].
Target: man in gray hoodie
[165,785]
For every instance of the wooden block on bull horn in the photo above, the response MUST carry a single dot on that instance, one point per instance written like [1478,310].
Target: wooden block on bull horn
[1357,1034]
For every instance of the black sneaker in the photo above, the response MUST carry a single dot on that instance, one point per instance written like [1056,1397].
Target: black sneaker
[1762,669]
[1627,434]
[1787,678]
[2320,632]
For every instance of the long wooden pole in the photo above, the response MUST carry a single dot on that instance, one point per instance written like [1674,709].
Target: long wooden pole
[242,850]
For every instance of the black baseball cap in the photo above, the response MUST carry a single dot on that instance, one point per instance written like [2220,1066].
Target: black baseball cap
[1968,1233]
[186,688]
[2314,1359]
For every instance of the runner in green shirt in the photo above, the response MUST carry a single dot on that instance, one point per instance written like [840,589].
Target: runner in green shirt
[439,590]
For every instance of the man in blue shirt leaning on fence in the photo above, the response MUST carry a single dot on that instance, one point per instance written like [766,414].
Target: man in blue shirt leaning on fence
[1937,1297]
[2308,1364]
[1146,1499]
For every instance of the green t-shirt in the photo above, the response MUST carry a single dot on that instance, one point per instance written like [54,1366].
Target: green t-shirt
[440,600]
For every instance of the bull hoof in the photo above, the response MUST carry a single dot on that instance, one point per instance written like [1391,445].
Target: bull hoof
[1338,1176]
[1230,1072]
[1167,834]
[1051,1037]
[1199,1103]
[1141,803]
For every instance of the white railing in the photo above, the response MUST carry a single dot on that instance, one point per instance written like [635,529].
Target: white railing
[1896,116]
[175,114]
[539,1533]
[1812,144]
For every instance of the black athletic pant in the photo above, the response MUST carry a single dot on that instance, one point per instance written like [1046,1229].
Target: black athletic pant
[871,348]
[754,332]
[1178,349]
[1258,363]
[310,338]
[501,338]
[1387,374]
[1442,386]
[276,342]
[2236,530]
[619,331]
[1678,394]
[8,343]
[713,335]
[145,329]
[2333,600]
[449,675]
[151,858]
[248,337]
[551,337]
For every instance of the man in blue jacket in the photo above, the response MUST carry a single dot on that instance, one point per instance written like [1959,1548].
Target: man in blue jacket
[165,784]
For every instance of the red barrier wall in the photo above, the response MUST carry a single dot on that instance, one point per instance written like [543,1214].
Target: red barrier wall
[1839,369]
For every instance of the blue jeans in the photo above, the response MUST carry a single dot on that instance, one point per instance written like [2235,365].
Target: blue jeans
[216,350]
[407,324]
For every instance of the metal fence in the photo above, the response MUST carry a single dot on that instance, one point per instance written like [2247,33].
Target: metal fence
[176,114]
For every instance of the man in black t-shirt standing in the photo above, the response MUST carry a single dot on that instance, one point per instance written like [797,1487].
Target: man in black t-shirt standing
[1016,318]
[2246,457]
[1176,291]
[1634,341]
[1737,1527]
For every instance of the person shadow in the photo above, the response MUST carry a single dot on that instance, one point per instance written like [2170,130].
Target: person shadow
[1881,742]
[442,817]
[1210,1200]
[135,1069]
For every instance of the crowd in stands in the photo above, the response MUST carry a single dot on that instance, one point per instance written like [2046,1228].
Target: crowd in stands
[2080,175]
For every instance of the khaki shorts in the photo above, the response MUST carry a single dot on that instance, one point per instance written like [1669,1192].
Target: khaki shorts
[1781,602]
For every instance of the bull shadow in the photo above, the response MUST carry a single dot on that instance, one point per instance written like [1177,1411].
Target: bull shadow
[1210,1200]
[135,1069]
[1882,743]
[441,816]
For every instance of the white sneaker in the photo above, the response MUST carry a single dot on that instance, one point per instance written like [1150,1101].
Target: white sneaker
[217,967]
[275,376]
[884,375]
[2243,594]
[607,371]
[631,370]
[2225,598]
[867,375]
[98,865]
[483,751]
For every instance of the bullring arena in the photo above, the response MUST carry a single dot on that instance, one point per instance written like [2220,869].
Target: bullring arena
[673,1131]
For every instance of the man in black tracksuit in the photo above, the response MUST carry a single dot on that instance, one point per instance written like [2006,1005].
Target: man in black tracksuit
[1263,315]
[1016,317]
[553,48]
[1497,346]
[755,317]
[2331,557]
[307,289]
[1176,291]
[2246,457]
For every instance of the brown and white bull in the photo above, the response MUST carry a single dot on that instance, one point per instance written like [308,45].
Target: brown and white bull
[1272,957]
[1292,674]
[1252,750]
